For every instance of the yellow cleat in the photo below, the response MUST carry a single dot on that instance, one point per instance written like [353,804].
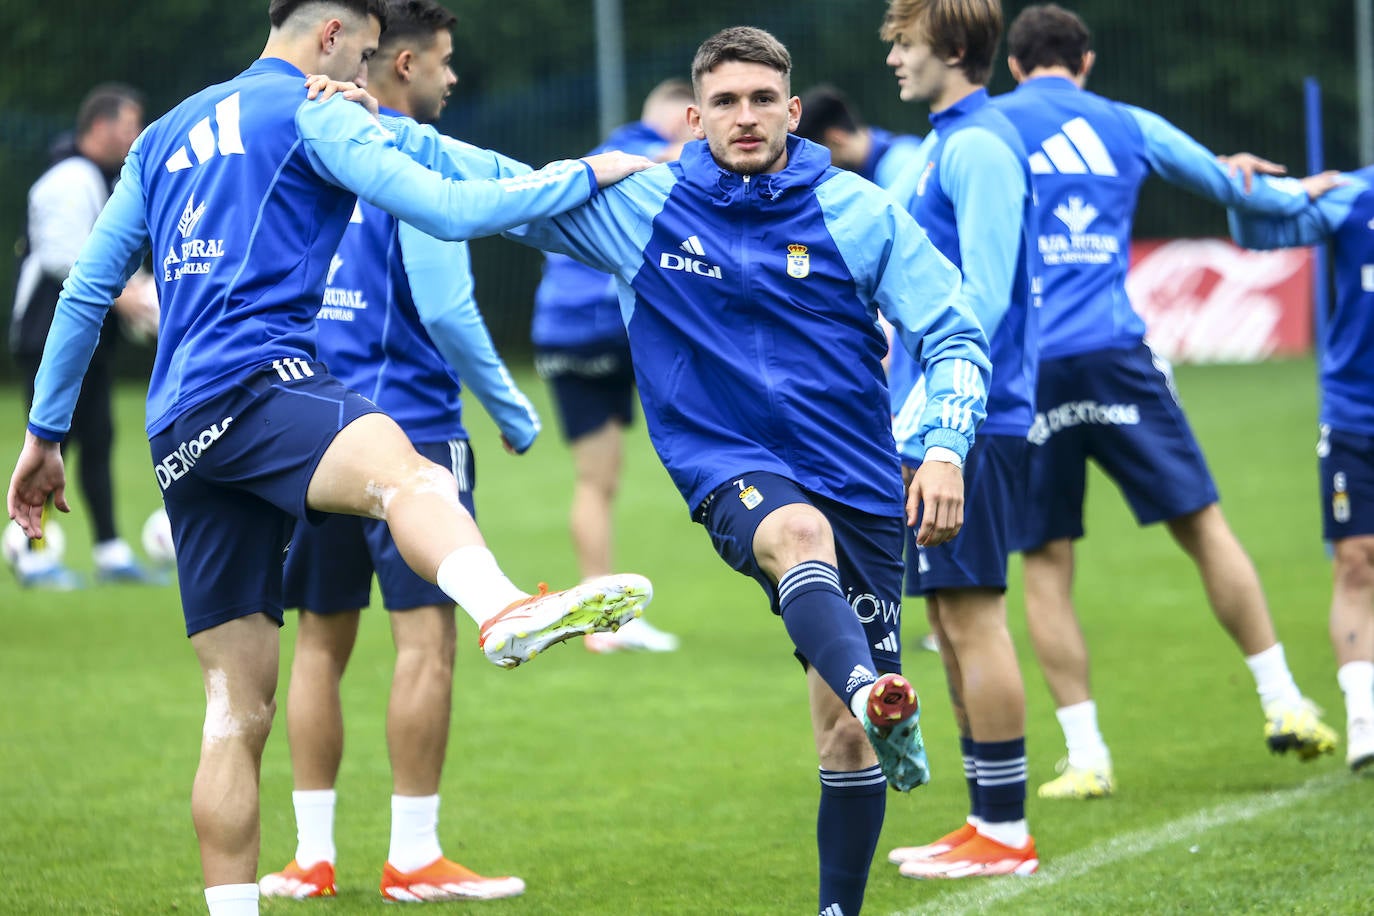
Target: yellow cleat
[1298,728]
[1079,782]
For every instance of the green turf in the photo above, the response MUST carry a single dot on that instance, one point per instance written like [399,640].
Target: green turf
[685,783]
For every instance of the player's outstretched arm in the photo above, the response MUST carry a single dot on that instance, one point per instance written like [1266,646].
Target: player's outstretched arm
[38,474]
[614,165]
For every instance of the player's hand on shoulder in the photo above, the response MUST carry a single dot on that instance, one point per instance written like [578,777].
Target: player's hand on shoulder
[322,87]
[1250,165]
[1322,182]
[935,495]
[610,167]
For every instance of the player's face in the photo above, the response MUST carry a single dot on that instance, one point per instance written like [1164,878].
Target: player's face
[744,115]
[432,78]
[920,74]
[355,43]
[124,130]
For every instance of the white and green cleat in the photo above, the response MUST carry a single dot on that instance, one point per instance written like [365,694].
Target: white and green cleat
[528,627]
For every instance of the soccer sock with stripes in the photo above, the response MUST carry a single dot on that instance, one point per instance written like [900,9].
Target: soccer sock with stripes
[975,809]
[1273,681]
[314,826]
[414,831]
[232,899]
[1082,737]
[1357,683]
[847,827]
[824,629]
[1002,789]
[471,577]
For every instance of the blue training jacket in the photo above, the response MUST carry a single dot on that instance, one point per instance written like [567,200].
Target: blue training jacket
[576,305]
[1345,218]
[971,189]
[399,325]
[1090,156]
[752,309]
[889,156]
[243,192]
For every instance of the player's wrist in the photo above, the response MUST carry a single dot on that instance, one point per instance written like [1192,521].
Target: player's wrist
[948,455]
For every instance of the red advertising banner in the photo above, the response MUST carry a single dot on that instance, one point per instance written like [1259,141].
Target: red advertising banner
[1208,301]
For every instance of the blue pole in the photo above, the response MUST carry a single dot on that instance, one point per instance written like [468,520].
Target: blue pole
[1312,118]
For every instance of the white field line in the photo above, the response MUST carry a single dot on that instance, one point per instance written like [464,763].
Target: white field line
[983,892]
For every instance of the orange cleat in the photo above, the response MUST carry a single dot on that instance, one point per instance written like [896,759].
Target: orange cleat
[300,883]
[445,880]
[944,844]
[978,857]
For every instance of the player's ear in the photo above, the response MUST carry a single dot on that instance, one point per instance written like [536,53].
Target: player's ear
[329,35]
[694,122]
[404,63]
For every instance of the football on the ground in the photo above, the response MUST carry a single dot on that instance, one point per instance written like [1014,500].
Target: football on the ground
[16,542]
[157,538]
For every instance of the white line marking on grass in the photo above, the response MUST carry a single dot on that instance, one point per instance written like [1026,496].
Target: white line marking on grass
[983,892]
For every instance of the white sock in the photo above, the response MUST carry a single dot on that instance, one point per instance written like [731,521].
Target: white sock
[314,826]
[859,700]
[232,899]
[1273,681]
[1087,750]
[1357,683]
[471,577]
[1008,833]
[414,831]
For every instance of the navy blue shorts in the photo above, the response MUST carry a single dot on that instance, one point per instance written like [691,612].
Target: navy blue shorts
[994,492]
[1119,408]
[329,566]
[591,385]
[868,549]
[234,473]
[1346,462]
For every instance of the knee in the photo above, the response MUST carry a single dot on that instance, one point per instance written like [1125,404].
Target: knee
[240,720]
[804,532]
[1354,564]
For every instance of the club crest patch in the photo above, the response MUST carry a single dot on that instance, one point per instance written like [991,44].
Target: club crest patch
[798,262]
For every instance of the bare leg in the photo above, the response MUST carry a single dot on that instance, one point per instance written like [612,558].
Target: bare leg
[417,716]
[314,713]
[974,623]
[596,462]
[238,661]
[1053,624]
[954,679]
[1352,600]
[1232,585]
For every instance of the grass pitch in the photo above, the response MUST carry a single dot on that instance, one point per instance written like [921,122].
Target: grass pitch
[685,783]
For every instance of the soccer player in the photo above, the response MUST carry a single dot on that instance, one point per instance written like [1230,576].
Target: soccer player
[582,353]
[971,189]
[829,118]
[243,192]
[1090,156]
[751,273]
[63,206]
[1341,212]
[398,321]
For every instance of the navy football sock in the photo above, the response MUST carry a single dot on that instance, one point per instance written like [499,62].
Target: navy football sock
[847,827]
[823,627]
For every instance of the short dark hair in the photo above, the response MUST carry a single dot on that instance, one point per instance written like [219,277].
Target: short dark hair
[414,22]
[744,44]
[824,107]
[105,103]
[968,29]
[1047,35]
[278,11]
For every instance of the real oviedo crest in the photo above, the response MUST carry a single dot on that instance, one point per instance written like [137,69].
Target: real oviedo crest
[798,261]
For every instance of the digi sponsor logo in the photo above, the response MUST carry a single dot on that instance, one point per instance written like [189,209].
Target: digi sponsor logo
[1080,413]
[176,465]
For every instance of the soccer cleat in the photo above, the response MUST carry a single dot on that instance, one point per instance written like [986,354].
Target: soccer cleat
[1079,782]
[128,574]
[55,578]
[892,720]
[1298,728]
[299,883]
[445,880]
[1359,746]
[528,627]
[944,844]
[929,642]
[980,856]
[636,636]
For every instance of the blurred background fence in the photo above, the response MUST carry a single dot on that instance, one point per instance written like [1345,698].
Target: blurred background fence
[1229,73]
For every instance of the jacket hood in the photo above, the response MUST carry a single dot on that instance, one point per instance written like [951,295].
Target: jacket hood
[807,164]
